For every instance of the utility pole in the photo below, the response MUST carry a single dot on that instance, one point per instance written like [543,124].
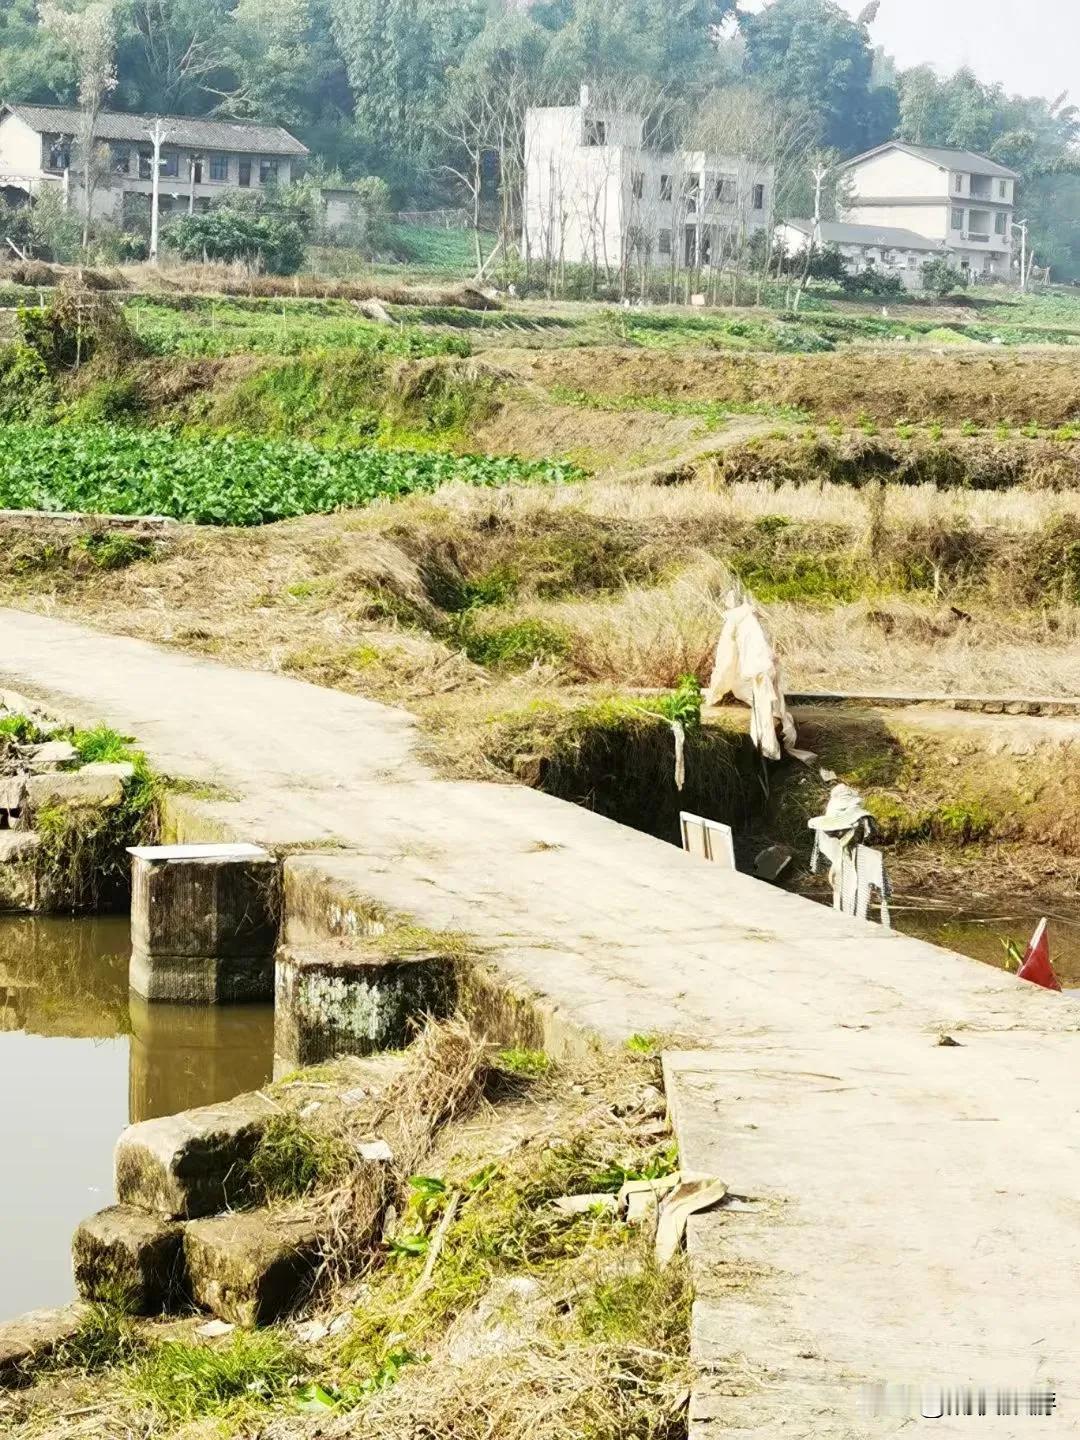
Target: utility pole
[1022,226]
[820,174]
[195,162]
[158,134]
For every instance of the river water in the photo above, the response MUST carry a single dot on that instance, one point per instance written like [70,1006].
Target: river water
[80,1058]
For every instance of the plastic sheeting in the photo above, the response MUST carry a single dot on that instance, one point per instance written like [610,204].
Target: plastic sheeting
[746,667]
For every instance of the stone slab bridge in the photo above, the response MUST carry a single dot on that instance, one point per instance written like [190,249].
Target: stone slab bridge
[898,1126]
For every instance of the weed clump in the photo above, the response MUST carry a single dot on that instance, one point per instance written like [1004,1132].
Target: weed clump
[293,1160]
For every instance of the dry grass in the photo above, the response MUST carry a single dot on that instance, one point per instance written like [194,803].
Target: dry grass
[887,385]
[905,648]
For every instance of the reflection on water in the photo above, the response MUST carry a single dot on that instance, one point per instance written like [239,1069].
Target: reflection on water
[79,1058]
[984,933]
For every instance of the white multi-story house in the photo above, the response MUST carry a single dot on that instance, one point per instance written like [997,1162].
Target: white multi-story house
[200,159]
[597,194]
[963,202]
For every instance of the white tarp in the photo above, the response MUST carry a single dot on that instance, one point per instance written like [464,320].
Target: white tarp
[746,667]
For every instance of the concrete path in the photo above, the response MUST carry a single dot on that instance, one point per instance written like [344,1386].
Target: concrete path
[914,1207]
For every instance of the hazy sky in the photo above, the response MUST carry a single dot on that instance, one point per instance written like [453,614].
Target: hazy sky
[1033,48]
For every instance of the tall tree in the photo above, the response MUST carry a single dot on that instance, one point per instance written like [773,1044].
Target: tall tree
[34,65]
[671,42]
[171,55]
[397,55]
[812,53]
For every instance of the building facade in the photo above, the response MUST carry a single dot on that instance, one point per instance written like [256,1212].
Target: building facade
[597,194]
[201,160]
[963,202]
[887,249]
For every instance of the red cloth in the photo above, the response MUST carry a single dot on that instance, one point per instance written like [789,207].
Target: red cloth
[1036,966]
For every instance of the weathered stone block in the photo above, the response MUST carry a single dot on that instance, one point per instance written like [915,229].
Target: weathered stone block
[52,755]
[341,999]
[33,1337]
[204,923]
[18,869]
[76,789]
[191,1164]
[252,1268]
[126,1251]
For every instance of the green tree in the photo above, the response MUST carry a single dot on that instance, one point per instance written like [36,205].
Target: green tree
[33,64]
[397,54]
[811,52]
[669,42]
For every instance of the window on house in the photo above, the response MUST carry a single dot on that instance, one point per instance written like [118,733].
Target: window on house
[666,190]
[219,167]
[170,166]
[146,164]
[121,159]
[959,185]
[1003,189]
[268,172]
[759,197]
[663,244]
[595,132]
[244,172]
[1001,221]
[57,152]
[912,261]
[637,184]
[958,219]
[195,169]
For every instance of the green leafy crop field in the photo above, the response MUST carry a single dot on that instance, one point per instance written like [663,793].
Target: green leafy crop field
[227,480]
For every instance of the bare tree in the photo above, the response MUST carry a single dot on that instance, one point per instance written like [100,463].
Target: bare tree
[770,143]
[175,59]
[89,37]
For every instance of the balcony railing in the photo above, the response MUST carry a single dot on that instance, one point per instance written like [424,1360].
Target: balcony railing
[978,238]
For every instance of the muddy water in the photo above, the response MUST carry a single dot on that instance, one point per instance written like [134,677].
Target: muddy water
[983,932]
[79,1059]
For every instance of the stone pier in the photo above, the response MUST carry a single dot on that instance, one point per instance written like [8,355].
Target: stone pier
[204,923]
[338,998]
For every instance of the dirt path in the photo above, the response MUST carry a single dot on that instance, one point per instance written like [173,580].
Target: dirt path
[913,1206]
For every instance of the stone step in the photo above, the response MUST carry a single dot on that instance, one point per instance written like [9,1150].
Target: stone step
[28,1340]
[204,923]
[127,1251]
[192,1164]
[18,869]
[251,1269]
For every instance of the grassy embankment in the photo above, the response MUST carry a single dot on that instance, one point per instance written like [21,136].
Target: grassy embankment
[479,1309]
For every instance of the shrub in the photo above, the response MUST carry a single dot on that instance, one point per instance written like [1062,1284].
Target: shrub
[874,282]
[26,391]
[939,277]
[230,232]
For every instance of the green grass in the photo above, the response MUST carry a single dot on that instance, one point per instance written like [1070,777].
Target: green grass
[514,646]
[104,1339]
[21,729]
[714,413]
[184,1382]
[438,251]
[529,1064]
[103,745]
[292,1160]
[200,325]
[226,480]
